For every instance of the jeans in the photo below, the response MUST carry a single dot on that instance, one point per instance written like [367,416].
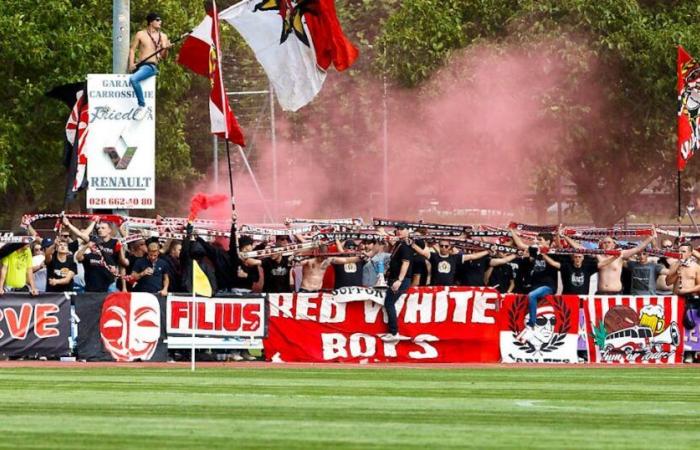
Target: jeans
[142,73]
[532,299]
[390,304]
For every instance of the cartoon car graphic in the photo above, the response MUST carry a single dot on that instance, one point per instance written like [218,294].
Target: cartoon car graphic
[640,339]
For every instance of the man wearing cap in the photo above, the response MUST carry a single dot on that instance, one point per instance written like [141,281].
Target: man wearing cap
[348,270]
[398,279]
[152,45]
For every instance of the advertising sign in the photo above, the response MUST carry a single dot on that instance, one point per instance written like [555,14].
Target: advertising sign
[120,148]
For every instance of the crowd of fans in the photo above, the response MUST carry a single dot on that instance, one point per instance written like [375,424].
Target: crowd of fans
[93,259]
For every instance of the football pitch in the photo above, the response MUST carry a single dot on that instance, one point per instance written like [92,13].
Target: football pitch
[327,408]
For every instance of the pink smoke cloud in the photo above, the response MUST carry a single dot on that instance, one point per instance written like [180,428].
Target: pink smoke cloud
[471,137]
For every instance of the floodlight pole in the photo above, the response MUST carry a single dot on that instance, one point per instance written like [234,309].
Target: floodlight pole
[121,17]
[215,152]
[273,137]
[120,35]
[385,141]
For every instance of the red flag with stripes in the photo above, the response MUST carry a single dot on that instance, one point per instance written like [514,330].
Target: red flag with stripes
[634,330]
[76,135]
[201,53]
[688,107]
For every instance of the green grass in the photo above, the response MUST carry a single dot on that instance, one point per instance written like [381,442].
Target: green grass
[350,408]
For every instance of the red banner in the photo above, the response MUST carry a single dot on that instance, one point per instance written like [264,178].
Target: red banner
[688,107]
[455,324]
[634,329]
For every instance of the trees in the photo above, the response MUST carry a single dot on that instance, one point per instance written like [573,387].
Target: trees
[61,41]
[615,142]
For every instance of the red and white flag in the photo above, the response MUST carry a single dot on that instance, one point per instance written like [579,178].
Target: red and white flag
[76,134]
[628,329]
[688,107]
[295,41]
[201,53]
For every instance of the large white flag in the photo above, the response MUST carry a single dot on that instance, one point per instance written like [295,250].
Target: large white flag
[294,41]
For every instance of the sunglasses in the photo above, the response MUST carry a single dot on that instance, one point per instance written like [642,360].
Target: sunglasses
[542,321]
[444,246]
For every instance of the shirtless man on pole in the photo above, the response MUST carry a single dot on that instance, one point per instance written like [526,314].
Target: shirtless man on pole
[610,275]
[684,275]
[153,45]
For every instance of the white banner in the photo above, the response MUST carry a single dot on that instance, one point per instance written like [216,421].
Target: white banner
[217,316]
[120,149]
[358,293]
[553,338]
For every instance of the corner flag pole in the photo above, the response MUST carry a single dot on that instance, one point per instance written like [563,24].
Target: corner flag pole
[194,319]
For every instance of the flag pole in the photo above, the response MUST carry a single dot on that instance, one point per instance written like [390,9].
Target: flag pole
[194,318]
[230,176]
[680,218]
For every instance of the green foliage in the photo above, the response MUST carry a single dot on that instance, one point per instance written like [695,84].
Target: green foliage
[419,36]
[60,41]
[625,49]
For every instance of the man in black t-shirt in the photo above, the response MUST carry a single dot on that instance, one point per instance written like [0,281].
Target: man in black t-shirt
[277,270]
[398,278]
[60,269]
[348,270]
[137,250]
[443,264]
[472,270]
[103,263]
[575,273]
[151,272]
[543,277]
[420,265]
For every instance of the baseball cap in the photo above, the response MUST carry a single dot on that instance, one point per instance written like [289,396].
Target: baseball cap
[46,242]
[152,16]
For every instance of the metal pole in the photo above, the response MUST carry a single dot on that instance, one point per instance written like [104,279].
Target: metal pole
[121,17]
[273,135]
[680,217]
[559,212]
[255,182]
[215,152]
[230,175]
[385,166]
[120,35]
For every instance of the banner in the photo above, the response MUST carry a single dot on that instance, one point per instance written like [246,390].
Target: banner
[688,73]
[361,293]
[218,316]
[120,326]
[438,324]
[32,326]
[691,340]
[554,338]
[624,329]
[120,149]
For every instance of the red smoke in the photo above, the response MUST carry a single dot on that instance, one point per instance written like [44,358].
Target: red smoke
[202,201]
[474,136]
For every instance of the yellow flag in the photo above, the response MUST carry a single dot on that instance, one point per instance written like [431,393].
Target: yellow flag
[200,282]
